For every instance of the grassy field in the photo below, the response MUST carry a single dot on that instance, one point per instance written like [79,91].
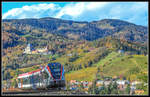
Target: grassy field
[86,74]
[130,66]
[115,64]
[107,59]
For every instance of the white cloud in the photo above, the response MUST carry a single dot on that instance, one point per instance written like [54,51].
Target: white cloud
[136,12]
[77,9]
[30,11]
[94,5]
[71,9]
[12,12]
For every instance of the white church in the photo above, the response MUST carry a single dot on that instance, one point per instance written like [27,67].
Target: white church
[30,50]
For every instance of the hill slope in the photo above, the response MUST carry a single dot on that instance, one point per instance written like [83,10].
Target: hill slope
[81,30]
[133,67]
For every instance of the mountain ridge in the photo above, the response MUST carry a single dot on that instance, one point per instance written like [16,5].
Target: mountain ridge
[79,30]
[73,20]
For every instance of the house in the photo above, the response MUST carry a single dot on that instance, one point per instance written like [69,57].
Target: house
[99,82]
[145,84]
[132,88]
[86,88]
[139,91]
[121,82]
[76,82]
[106,83]
[69,54]
[41,50]
[98,85]
[114,77]
[73,88]
[72,81]
[135,82]
[120,51]
[85,83]
[34,52]
[90,83]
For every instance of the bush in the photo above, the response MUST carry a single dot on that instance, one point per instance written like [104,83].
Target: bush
[122,59]
[73,58]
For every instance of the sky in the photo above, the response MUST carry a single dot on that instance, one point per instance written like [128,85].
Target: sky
[134,12]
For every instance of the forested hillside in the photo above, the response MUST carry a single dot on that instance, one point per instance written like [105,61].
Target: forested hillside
[79,30]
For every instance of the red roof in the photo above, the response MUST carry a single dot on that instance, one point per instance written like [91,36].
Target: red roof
[29,73]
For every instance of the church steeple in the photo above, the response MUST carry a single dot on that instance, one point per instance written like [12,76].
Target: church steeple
[28,49]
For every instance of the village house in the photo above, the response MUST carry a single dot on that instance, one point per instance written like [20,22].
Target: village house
[145,84]
[34,52]
[120,51]
[74,85]
[133,85]
[132,88]
[41,50]
[85,83]
[114,78]
[69,55]
[139,92]
[135,82]
[99,83]
[106,83]
[90,83]
[123,82]
[86,88]
[72,81]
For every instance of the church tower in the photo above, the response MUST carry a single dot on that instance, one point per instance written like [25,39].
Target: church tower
[28,49]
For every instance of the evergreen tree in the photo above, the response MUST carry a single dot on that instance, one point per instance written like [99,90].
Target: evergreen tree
[115,89]
[128,89]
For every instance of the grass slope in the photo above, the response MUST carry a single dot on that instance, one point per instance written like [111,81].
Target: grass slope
[132,67]
[86,74]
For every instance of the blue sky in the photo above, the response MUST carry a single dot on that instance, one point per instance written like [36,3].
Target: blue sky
[135,12]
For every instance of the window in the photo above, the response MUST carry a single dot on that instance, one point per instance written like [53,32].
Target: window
[26,80]
[36,78]
[55,69]
[45,74]
[19,80]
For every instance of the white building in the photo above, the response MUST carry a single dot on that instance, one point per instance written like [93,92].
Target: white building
[41,50]
[28,49]
[120,82]
[106,83]
[135,83]
[100,82]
